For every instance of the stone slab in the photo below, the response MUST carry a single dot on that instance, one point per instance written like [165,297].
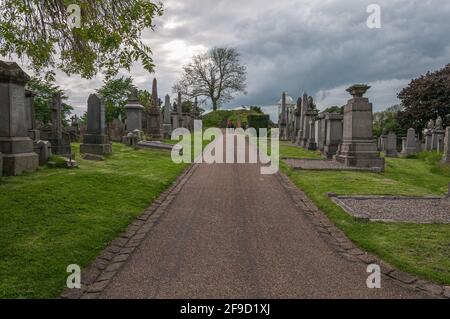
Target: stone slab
[323,165]
[16,164]
[98,149]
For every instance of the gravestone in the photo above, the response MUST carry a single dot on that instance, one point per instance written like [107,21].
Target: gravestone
[154,115]
[133,110]
[44,150]
[437,139]
[358,148]
[116,130]
[429,136]
[333,134]
[311,143]
[33,132]
[298,116]
[390,148]
[409,146]
[96,141]
[175,121]
[180,110]
[195,110]
[15,144]
[308,115]
[283,119]
[167,118]
[446,158]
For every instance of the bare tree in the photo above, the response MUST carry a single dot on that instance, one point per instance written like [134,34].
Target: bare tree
[216,75]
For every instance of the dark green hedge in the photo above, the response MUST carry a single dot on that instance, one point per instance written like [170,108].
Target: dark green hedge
[258,121]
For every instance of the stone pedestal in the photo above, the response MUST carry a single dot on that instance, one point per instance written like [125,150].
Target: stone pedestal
[167,126]
[16,146]
[333,134]
[409,147]
[359,149]
[96,141]
[428,141]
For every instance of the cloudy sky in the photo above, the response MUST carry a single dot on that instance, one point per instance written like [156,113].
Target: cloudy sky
[321,46]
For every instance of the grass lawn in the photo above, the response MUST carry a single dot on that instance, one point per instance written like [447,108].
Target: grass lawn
[56,217]
[423,250]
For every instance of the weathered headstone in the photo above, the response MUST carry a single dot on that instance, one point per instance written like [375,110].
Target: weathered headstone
[175,121]
[429,136]
[33,133]
[154,115]
[358,148]
[116,130]
[437,139]
[446,158]
[390,148]
[133,109]
[298,116]
[15,144]
[180,110]
[44,150]
[96,141]
[409,146]
[334,134]
[311,143]
[167,117]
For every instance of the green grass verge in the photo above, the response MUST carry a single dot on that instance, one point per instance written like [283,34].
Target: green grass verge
[422,250]
[56,217]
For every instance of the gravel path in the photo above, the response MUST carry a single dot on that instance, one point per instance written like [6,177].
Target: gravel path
[233,233]
[416,210]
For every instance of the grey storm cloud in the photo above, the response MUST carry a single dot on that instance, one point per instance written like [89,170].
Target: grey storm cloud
[321,46]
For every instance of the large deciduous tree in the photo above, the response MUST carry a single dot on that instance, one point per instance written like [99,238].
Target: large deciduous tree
[216,75]
[115,93]
[106,39]
[425,98]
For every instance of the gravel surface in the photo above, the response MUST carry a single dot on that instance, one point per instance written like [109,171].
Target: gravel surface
[416,210]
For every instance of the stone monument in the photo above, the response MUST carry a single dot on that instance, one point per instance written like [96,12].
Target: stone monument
[96,140]
[15,144]
[333,134]
[154,115]
[409,147]
[390,148]
[358,148]
[437,138]
[133,109]
[167,118]
[446,158]
[283,118]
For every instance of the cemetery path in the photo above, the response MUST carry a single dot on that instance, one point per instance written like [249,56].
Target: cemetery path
[234,233]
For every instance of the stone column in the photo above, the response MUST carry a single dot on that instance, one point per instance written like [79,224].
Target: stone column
[333,134]
[297,115]
[428,140]
[96,140]
[446,158]
[133,109]
[438,140]
[410,145]
[358,148]
[283,121]
[16,146]
[175,121]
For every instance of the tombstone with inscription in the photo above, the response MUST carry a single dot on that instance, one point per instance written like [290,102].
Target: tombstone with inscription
[429,136]
[96,140]
[437,138]
[358,147]
[15,144]
[311,143]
